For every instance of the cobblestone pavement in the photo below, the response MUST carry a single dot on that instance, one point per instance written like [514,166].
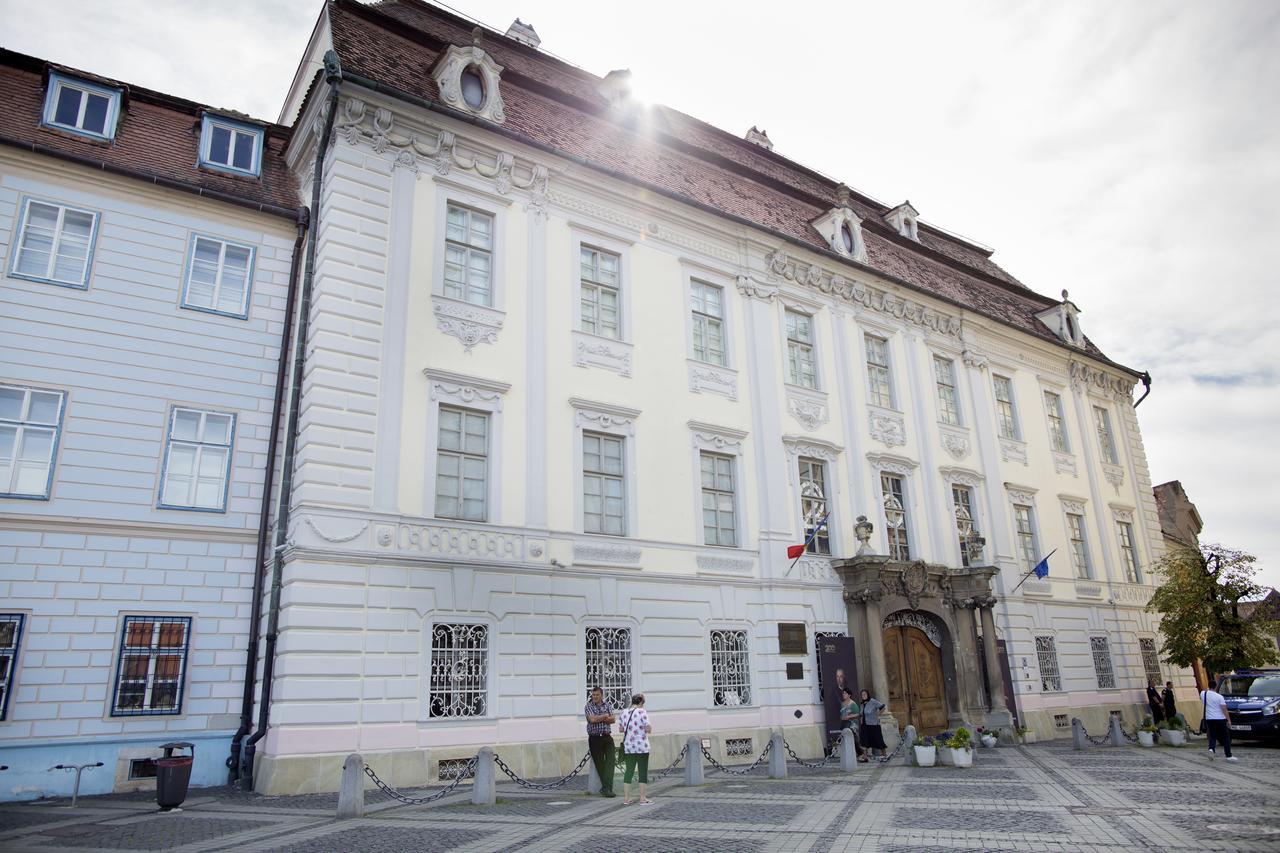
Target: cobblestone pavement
[1040,797]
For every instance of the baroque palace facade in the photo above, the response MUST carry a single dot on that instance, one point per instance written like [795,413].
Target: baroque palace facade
[578,370]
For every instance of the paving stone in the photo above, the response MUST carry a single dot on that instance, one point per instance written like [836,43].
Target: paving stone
[12,819]
[977,820]
[388,839]
[162,832]
[1199,797]
[720,812]
[659,844]
[962,791]
[965,774]
[773,787]
[530,807]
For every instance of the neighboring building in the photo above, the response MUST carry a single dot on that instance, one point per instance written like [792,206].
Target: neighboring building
[580,370]
[146,244]
[1267,607]
[1180,527]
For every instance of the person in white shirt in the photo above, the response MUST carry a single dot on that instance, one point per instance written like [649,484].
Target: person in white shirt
[634,725]
[1217,721]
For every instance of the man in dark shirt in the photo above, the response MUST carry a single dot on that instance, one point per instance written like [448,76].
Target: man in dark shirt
[1168,700]
[599,741]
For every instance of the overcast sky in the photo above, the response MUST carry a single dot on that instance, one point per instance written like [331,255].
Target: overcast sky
[1125,151]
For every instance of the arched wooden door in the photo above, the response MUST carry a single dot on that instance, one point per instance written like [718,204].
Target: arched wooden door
[917,693]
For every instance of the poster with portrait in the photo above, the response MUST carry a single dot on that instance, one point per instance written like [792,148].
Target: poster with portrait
[839,669]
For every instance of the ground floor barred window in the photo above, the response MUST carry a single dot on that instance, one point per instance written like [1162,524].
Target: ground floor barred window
[459,679]
[152,665]
[1047,656]
[609,664]
[730,668]
[1150,659]
[1102,662]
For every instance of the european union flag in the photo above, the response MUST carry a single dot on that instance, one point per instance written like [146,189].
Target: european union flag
[1042,567]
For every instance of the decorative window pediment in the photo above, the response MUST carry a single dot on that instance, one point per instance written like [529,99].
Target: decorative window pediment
[903,219]
[468,80]
[1063,320]
[842,229]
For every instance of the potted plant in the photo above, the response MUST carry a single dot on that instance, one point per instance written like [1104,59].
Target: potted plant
[1172,733]
[987,737]
[1147,732]
[926,752]
[962,748]
[943,741]
[1025,735]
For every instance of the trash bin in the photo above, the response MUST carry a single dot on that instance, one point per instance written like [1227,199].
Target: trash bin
[173,775]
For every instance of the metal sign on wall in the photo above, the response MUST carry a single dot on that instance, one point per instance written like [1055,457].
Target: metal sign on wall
[793,638]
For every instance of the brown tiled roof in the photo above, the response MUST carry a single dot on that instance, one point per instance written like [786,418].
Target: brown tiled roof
[157,137]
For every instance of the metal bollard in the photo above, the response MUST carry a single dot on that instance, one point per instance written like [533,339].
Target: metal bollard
[777,756]
[848,751]
[1077,733]
[693,762]
[1117,734]
[909,750]
[351,794]
[484,790]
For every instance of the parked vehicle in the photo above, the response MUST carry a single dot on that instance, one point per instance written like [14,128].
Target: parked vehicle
[1253,699]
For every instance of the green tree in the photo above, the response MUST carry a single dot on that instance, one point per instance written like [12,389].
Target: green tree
[1199,607]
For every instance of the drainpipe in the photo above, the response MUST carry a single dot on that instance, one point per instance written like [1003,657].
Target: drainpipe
[1146,383]
[333,76]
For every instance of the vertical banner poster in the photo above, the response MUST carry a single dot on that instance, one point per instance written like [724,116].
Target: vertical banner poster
[839,669]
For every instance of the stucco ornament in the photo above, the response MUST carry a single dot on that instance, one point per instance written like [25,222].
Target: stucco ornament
[448,76]
[914,578]
[888,428]
[913,619]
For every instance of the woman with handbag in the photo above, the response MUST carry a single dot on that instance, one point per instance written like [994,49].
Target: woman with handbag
[635,728]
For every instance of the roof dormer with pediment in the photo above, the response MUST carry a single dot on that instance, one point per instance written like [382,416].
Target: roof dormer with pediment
[1063,320]
[841,228]
[904,219]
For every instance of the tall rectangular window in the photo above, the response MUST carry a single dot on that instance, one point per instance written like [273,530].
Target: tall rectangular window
[944,373]
[1150,659]
[962,500]
[462,465]
[1102,662]
[730,668]
[10,641]
[197,463]
[1057,425]
[1128,552]
[707,305]
[609,664]
[603,484]
[801,368]
[601,293]
[30,423]
[55,243]
[1006,419]
[152,666]
[879,380]
[1024,521]
[1106,442]
[895,516]
[231,146]
[458,684]
[719,525]
[1079,546]
[813,505]
[468,255]
[1047,656]
[218,277]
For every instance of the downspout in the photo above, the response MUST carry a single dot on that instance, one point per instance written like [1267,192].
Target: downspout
[333,76]
[1146,383]
[264,517]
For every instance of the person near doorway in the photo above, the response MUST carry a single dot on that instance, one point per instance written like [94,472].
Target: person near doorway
[849,713]
[872,736]
[1170,703]
[634,725]
[1217,722]
[1154,702]
[599,741]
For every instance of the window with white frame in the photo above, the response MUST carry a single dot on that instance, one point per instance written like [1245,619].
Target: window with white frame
[462,465]
[1006,419]
[30,424]
[197,462]
[1079,546]
[879,380]
[1025,524]
[719,522]
[895,516]
[604,484]
[458,685]
[231,146]
[813,505]
[218,277]
[10,642]
[83,108]
[1150,659]
[801,368]
[944,373]
[966,521]
[152,666]
[1047,657]
[1057,424]
[1106,442]
[730,668]
[600,292]
[1102,662]
[608,654]
[707,307]
[1128,552]
[468,255]
[55,243]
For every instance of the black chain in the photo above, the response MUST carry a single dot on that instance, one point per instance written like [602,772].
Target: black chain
[1131,738]
[1096,741]
[672,767]
[717,765]
[464,773]
[827,756]
[885,759]
[541,786]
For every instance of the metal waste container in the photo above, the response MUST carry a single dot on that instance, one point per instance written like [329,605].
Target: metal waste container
[173,775]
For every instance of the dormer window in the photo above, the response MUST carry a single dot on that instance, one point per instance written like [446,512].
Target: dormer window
[903,219]
[1064,320]
[468,79]
[842,229]
[846,236]
[472,88]
[231,146]
[83,108]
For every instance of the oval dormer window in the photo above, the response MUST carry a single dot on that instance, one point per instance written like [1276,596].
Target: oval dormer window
[1071,329]
[846,237]
[472,88]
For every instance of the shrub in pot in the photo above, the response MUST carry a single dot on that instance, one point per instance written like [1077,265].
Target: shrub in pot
[1172,733]
[926,752]
[942,740]
[962,748]
[1147,733]
[988,737]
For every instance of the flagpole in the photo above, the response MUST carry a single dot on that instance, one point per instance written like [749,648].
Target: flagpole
[821,523]
[1033,568]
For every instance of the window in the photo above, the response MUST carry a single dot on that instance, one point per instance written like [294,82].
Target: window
[1024,520]
[1047,655]
[10,642]
[895,517]
[730,668]
[1079,546]
[609,664]
[1057,428]
[218,277]
[1128,553]
[1106,443]
[813,505]
[1005,418]
[30,422]
[879,387]
[601,305]
[707,304]
[944,372]
[962,499]
[468,255]
[231,146]
[800,364]
[462,459]
[197,460]
[55,244]
[472,87]
[719,525]
[459,680]
[81,107]
[1150,660]
[603,485]
[1102,662]
[152,666]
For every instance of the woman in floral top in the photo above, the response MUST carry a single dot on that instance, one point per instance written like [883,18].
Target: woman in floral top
[633,723]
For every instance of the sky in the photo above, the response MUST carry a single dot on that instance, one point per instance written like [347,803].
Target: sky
[1127,151]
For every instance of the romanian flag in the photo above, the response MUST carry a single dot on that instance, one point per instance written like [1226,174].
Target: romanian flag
[794,551]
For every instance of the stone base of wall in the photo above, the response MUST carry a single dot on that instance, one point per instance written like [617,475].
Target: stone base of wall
[1042,726]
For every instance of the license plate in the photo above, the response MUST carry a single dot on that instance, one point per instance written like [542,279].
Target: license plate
[1241,728]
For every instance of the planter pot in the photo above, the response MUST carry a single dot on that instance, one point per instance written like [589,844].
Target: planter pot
[926,756]
[1173,737]
[962,757]
[1030,737]
[1146,739]
[989,741]
[945,756]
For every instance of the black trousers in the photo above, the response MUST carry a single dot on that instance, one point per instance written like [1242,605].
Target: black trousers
[603,755]
[1219,732]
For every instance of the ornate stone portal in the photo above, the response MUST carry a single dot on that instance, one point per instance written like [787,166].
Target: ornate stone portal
[919,620]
